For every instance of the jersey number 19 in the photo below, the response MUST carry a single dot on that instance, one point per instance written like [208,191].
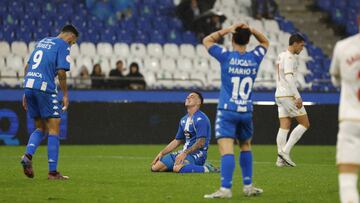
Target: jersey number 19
[239,87]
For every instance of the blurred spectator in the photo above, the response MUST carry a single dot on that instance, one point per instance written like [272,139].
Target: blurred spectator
[117,79]
[97,77]
[109,10]
[209,22]
[264,9]
[136,79]
[189,10]
[83,79]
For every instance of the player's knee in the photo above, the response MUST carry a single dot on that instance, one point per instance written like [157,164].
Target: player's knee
[154,168]
[245,145]
[306,125]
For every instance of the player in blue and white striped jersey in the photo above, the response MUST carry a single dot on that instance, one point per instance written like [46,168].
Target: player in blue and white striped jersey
[195,132]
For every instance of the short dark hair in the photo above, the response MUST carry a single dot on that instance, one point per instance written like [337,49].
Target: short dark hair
[134,64]
[200,96]
[70,28]
[296,37]
[119,61]
[241,36]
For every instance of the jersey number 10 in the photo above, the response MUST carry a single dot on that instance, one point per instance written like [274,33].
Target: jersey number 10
[239,87]
[37,58]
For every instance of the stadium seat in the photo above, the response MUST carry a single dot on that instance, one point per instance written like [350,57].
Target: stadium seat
[31,46]
[105,65]
[2,63]
[164,75]
[271,26]
[122,50]
[171,50]
[201,65]
[104,49]
[184,65]
[138,50]
[4,48]
[168,64]
[9,77]
[151,64]
[201,51]
[199,77]
[155,50]
[74,51]
[15,63]
[181,75]
[187,50]
[87,49]
[84,61]
[150,79]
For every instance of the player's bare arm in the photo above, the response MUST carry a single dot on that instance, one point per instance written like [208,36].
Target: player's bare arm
[198,144]
[23,99]
[291,81]
[169,148]
[260,37]
[214,37]
[62,81]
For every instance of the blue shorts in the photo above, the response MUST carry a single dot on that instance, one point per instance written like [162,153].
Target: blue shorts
[42,104]
[230,124]
[169,160]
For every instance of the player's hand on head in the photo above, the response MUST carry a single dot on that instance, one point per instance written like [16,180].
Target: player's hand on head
[24,102]
[65,103]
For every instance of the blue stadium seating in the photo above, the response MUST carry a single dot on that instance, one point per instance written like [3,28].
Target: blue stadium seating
[342,12]
[147,15]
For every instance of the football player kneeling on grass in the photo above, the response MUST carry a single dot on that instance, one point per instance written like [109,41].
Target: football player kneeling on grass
[195,131]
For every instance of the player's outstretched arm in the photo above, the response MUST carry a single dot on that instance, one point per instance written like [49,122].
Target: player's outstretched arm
[260,37]
[63,87]
[169,148]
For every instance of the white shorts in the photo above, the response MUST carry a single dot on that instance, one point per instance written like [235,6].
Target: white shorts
[287,108]
[348,143]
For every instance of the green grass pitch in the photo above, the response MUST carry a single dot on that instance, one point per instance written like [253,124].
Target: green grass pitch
[121,173]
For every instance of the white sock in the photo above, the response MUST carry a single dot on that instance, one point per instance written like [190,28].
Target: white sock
[295,136]
[206,170]
[281,139]
[348,188]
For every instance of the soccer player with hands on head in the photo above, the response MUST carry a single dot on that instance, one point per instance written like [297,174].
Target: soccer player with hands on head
[239,68]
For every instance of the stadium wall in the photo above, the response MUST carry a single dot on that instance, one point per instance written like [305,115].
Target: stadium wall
[152,123]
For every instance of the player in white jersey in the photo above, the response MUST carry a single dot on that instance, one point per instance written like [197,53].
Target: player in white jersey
[289,101]
[345,71]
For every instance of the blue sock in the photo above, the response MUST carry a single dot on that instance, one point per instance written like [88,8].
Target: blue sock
[53,151]
[245,161]
[227,170]
[34,141]
[191,168]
